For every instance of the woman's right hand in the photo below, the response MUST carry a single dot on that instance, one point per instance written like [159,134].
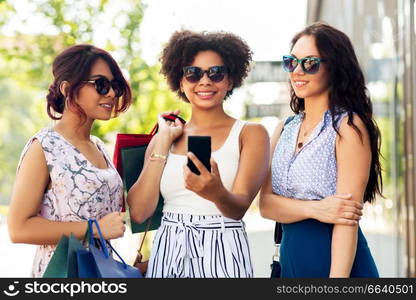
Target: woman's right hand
[168,129]
[112,225]
[338,209]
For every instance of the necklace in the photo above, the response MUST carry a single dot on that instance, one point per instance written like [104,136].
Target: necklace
[300,143]
[302,136]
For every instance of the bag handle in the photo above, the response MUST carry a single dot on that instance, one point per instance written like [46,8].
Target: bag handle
[144,235]
[118,255]
[91,223]
[167,117]
[102,241]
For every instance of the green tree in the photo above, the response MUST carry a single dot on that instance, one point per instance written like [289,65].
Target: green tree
[16,124]
[25,71]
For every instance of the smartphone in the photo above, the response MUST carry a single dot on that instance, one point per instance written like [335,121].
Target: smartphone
[201,147]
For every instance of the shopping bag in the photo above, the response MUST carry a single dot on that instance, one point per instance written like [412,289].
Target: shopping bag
[126,140]
[87,267]
[133,161]
[63,263]
[276,269]
[97,261]
[129,160]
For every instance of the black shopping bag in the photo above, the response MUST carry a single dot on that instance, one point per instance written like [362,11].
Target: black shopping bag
[129,160]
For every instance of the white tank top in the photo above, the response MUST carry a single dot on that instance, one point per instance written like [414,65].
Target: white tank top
[178,199]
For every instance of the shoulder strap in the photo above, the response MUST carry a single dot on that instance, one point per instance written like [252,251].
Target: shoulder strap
[236,130]
[278,233]
[288,120]
[278,227]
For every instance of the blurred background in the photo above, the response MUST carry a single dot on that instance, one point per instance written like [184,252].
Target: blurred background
[33,32]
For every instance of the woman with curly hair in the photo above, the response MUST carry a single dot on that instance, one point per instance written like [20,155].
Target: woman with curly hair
[202,234]
[64,175]
[328,152]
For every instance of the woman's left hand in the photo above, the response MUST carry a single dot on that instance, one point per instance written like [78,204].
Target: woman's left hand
[169,130]
[208,184]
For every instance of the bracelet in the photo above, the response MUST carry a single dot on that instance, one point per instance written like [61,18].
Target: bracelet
[156,156]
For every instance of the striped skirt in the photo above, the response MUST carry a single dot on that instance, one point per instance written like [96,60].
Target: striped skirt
[193,246]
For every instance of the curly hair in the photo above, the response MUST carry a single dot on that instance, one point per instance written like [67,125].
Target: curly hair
[184,45]
[347,92]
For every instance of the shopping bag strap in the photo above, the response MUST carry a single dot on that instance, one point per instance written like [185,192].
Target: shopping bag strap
[103,243]
[149,222]
[118,255]
[167,117]
[278,233]
[154,129]
[278,227]
[91,223]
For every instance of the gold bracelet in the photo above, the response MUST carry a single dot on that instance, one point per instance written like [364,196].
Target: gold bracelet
[160,157]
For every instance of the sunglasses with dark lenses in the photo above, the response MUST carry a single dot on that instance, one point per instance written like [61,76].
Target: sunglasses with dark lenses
[103,85]
[310,65]
[194,74]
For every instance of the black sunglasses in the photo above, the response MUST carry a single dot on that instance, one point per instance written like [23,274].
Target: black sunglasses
[310,65]
[194,74]
[103,85]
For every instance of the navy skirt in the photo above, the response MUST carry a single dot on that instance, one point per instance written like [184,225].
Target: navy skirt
[305,251]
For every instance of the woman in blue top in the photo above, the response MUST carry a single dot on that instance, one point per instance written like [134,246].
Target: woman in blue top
[329,152]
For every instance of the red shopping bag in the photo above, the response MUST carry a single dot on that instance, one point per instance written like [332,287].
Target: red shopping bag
[127,140]
[129,159]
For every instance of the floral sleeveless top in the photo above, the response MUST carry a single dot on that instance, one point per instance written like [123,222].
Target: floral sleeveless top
[78,189]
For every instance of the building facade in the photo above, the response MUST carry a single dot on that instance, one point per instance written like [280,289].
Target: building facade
[384,36]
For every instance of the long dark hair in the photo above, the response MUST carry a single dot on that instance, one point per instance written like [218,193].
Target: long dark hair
[347,92]
[74,65]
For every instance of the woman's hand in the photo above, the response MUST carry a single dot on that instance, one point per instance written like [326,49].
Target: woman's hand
[170,130]
[338,209]
[112,225]
[208,184]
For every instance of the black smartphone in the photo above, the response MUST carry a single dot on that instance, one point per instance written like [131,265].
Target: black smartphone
[201,147]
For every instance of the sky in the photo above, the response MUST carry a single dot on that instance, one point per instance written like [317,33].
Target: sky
[266,25]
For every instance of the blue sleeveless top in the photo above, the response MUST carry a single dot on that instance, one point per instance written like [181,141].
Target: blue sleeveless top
[310,174]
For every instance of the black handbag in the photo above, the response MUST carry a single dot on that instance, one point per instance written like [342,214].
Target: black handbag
[275,266]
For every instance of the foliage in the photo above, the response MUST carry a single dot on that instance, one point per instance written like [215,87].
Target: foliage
[17,120]
[25,70]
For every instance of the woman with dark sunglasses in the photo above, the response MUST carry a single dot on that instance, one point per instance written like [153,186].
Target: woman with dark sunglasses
[65,176]
[325,163]
[202,234]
